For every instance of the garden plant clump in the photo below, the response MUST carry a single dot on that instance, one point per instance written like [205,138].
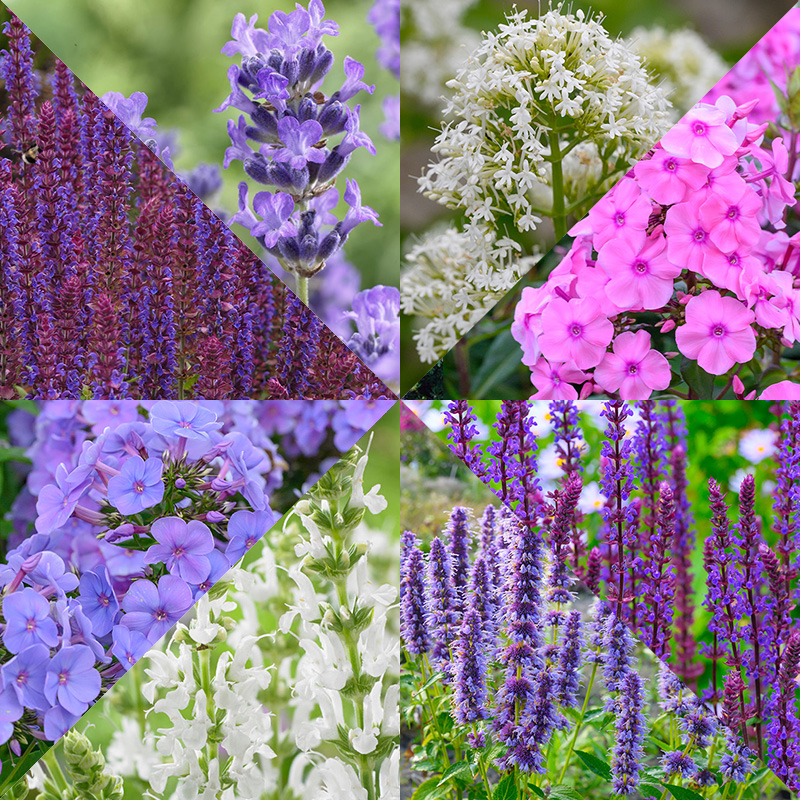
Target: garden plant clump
[732,638]
[118,281]
[130,514]
[282,684]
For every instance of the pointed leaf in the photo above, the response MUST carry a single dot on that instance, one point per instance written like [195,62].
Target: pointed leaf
[595,764]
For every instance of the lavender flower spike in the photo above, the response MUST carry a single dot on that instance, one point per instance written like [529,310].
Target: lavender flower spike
[441,605]
[630,731]
[414,617]
[470,671]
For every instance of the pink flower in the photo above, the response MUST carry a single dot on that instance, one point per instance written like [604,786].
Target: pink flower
[527,325]
[575,332]
[783,390]
[726,271]
[789,301]
[701,135]
[688,240]
[730,219]
[554,381]
[633,368]
[624,211]
[717,332]
[639,278]
[669,179]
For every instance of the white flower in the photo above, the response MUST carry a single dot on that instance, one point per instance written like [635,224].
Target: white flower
[306,602]
[131,752]
[591,499]
[374,502]
[361,586]
[735,483]
[337,781]
[390,777]
[758,444]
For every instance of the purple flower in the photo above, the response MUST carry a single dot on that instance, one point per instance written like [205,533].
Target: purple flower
[470,671]
[153,611]
[629,727]
[568,677]
[57,721]
[72,680]
[219,566]
[10,712]
[138,485]
[357,213]
[130,110]
[129,646]
[675,762]
[28,621]
[354,72]
[245,528]
[247,39]
[25,674]
[298,140]
[56,503]
[618,644]
[376,313]
[182,546]
[183,419]
[441,605]
[458,544]
[98,600]
[275,211]
[414,615]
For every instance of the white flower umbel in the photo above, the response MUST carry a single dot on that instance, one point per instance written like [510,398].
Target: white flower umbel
[346,695]
[686,65]
[544,117]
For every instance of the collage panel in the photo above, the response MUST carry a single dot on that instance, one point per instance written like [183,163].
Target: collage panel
[681,518]
[283,119]
[119,517]
[678,268]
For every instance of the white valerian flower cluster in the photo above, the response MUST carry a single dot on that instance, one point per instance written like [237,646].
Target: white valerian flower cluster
[545,115]
[451,280]
[436,47]
[683,61]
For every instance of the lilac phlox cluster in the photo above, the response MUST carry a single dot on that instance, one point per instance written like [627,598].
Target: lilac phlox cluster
[140,507]
[284,136]
[470,696]
[376,340]
[413,611]
[629,731]
[385,18]
[441,605]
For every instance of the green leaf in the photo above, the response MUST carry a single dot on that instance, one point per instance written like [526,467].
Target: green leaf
[595,764]
[564,792]
[501,359]
[435,678]
[429,790]
[537,791]
[506,789]
[13,454]
[679,793]
[697,379]
[651,790]
[456,770]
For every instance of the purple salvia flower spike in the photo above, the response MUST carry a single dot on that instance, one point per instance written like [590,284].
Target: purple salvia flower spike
[413,610]
[441,602]
[630,728]
[469,673]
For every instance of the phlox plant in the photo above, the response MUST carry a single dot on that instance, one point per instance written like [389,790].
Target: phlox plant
[281,684]
[512,688]
[542,117]
[734,640]
[118,282]
[131,513]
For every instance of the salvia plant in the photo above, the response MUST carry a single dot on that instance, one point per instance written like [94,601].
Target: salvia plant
[643,555]
[281,684]
[513,689]
[118,282]
[130,514]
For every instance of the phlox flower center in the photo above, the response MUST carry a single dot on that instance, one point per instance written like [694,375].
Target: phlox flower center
[31,625]
[138,487]
[63,677]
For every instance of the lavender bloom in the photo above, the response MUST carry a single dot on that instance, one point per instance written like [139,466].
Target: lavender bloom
[700,724]
[376,341]
[138,485]
[565,502]
[245,528]
[98,600]
[413,612]
[735,764]
[441,605]
[458,545]
[783,726]
[153,611]
[483,598]
[183,420]
[286,132]
[470,671]
[129,646]
[629,727]
[25,674]
[568,677]
[183,547]
[673,696]
[538,721]
[618,644]
[675,762]
[130,110]
[461,419]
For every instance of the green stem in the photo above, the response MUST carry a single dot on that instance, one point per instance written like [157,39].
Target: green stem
[56,773]
[302,289]
[559,214]
[578,724]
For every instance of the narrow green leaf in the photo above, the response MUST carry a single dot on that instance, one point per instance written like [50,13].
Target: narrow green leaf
[595,764]
[506,789]
[435,678]
[429,790]
[680,793]
[564,792]
[501,359]
[651,790]
[456,770]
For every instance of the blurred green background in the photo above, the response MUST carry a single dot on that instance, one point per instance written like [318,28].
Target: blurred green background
[731,27]
[170,50]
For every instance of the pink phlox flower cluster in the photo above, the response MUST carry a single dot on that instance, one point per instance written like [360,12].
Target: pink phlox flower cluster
[695,235]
